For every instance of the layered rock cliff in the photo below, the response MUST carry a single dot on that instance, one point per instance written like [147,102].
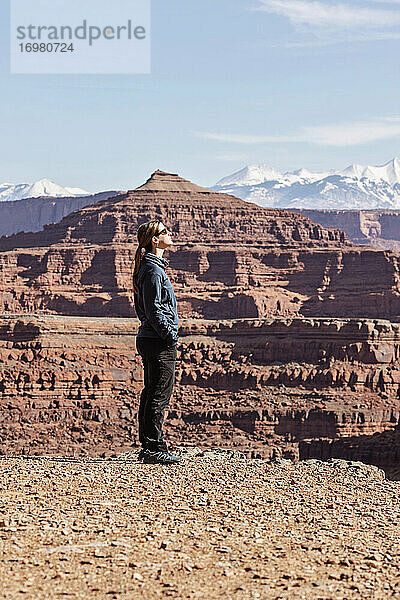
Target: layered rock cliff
[31,214]
[381,449]
[377,228]
[73,384]
[231,259]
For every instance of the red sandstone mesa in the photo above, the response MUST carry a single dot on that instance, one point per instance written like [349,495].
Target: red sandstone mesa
[231,259]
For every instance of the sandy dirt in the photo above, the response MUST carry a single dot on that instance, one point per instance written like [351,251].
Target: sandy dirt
[217,526]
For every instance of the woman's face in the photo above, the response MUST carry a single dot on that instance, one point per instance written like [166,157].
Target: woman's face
[163,239]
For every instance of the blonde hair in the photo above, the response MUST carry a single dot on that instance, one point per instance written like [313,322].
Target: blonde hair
[145,234]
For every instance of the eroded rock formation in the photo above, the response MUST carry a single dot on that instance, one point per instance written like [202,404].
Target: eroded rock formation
[31,214]
[72,384]
[381,449]
[231,259]
[377,228]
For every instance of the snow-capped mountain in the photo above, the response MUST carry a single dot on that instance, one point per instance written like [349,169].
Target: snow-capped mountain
[258,174]
[44,187]
[355,187]
[389,172]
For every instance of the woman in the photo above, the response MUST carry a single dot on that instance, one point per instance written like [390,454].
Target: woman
[157,338]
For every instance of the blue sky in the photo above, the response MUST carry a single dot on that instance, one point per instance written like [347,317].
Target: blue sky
[290,83]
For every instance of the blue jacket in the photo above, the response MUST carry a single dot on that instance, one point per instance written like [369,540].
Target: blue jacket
[155,302]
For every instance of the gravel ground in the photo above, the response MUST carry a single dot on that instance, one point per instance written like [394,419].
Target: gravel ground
[217,526]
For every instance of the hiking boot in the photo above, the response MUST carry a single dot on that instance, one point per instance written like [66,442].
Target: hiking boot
[162,457]
[141,454]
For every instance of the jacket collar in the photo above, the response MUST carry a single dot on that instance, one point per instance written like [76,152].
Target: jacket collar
[157,260]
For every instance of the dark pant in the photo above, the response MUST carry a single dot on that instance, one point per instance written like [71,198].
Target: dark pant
[159,362]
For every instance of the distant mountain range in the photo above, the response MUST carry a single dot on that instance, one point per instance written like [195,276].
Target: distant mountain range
[357,187]
[42,188]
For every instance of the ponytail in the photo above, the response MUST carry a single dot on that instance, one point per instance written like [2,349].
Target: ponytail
[136,267]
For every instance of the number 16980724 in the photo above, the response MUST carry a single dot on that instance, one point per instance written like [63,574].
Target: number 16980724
[49,47]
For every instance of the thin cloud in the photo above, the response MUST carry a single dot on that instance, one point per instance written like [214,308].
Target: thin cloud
[317,14]
[333,41]
[346,134]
